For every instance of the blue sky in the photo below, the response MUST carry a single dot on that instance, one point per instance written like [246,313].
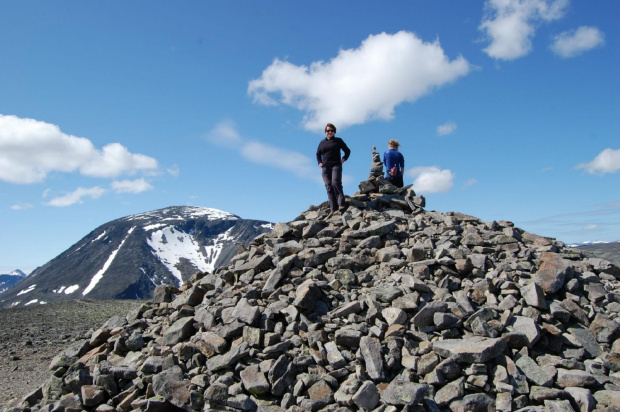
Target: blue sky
[505,110]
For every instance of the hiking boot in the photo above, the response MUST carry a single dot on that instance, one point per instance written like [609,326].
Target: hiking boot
[342,208]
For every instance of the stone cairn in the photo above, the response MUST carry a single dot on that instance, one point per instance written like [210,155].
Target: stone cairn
[384,307]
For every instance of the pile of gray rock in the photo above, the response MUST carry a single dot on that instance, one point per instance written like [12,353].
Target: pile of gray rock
[385,307]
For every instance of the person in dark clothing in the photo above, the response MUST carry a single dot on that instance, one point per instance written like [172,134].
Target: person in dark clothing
[328,157]
[394,163]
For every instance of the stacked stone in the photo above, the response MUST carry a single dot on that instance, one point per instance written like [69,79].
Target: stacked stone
[377,192]
[385,307]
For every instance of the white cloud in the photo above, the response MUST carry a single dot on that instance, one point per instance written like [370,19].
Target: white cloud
[22,206]
[575,42]
[225,134]
[591,226]
[360,84]
[431,179]
[174,170]
[114,159]
[469,183]
[131,186]
[31,149]
[76,196]
[608,161]
[290,161]
[446,128]
[510,25]
[293,162]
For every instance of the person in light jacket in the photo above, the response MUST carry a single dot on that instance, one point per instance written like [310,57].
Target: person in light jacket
[330,161]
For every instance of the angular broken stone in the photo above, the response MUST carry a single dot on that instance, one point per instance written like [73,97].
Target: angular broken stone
[472,350]
[254,380]
[404,393]
[178,331]
[551,272]
[371,351]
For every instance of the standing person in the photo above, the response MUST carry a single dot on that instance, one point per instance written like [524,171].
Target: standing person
[328,157]
[394,163]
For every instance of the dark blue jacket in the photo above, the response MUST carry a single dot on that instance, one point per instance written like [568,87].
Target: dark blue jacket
[393,158]
[328,151]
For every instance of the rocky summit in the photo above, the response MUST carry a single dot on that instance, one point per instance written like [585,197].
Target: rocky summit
[385,307]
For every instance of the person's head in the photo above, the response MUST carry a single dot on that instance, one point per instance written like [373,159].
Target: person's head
[330,128]
[393,144]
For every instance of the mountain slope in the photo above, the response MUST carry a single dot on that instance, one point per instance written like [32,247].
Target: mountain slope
[128,257]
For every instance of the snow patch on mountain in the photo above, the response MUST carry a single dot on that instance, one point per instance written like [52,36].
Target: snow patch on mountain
[148,228]
[186,213]
[99,275]
[66,290]
[170,245]
[99,237]
[29,289]
[213,252]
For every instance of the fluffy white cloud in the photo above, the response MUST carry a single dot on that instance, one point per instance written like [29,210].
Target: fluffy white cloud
[510,25]
[30,149]
[575,42]
[131,186]
[360,84]
[290,161]
[431,179]
[76,196]
[608,161]
[446,128]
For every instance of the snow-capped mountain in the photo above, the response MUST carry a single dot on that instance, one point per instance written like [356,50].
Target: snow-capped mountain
[126,258]
[589,243]
[9,279]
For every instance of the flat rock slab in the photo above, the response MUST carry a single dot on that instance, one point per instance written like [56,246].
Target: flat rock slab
[472,350]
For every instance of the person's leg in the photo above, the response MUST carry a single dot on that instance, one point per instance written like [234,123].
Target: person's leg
[337,185]
[327,179]
[398,181]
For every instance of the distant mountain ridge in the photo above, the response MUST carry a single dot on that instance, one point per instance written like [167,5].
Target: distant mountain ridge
[9,279]
[128,257]
[591,242]
[604,250]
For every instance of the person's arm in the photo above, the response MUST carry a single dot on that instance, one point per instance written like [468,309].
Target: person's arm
[319,158]
[346,150]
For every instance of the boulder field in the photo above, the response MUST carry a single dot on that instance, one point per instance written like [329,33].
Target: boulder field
[384,307]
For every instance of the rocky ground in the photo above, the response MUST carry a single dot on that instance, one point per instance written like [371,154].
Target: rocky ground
[31,336]
[385,307]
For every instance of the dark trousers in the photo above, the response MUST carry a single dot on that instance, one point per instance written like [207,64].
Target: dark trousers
[332,177]
[396,181]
